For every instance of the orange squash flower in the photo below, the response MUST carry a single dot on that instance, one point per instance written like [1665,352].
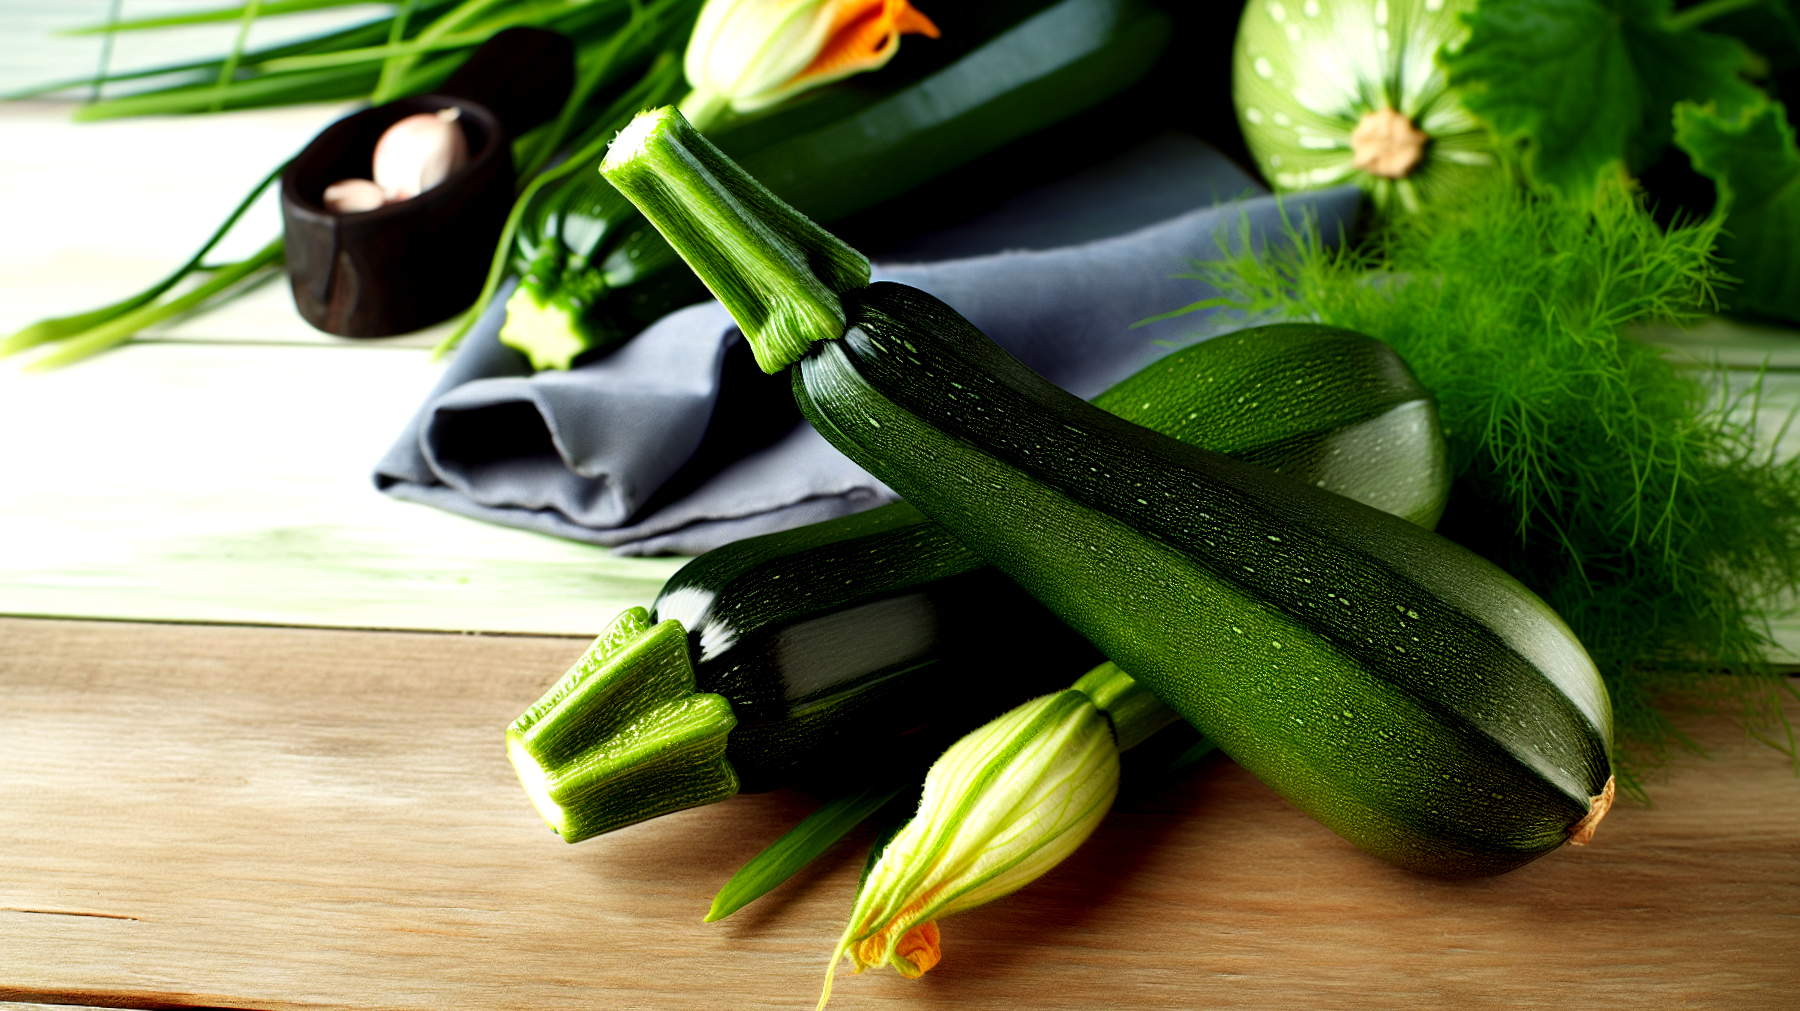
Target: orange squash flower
[749,54]
[1001,807]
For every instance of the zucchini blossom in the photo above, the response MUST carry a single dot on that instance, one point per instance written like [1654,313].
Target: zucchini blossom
[1002,806]
[749,54]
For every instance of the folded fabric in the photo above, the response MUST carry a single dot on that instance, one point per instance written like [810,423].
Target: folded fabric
[676,443]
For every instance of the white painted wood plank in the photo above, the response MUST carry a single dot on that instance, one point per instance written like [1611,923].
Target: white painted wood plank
[1777,413]
[202,482]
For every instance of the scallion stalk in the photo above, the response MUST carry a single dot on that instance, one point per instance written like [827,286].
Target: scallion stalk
[78,326]
[120,329]
[796,848]
[184,19]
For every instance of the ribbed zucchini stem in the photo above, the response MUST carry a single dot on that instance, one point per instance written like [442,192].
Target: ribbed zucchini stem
[777,273]
[623,736]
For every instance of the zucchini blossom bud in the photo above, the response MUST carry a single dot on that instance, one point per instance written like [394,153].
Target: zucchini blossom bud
[1002,806]
[750,54]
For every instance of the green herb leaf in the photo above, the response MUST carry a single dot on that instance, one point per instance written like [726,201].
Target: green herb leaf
[1588,85]
[799,847]
[1756,165]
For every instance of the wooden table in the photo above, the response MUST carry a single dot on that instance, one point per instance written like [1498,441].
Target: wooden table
[285,818]
[203,803]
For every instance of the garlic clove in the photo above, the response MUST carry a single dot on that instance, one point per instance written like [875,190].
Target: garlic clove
[419,152]
[353,196]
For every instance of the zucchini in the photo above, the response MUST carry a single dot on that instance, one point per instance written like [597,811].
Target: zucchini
[855,634]
[1401,689]
[593,272]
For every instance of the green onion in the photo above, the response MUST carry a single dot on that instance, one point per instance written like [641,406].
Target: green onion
[407,53]
[67,327]
[120,329]
[799,846]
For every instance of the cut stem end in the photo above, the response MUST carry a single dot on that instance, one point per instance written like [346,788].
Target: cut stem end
[623,736]
[1582,832]
[1387,144]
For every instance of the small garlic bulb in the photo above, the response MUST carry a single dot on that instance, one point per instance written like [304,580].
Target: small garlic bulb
[352,196]
[419,152]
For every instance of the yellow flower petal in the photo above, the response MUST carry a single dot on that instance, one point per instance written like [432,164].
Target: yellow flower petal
[1002,806]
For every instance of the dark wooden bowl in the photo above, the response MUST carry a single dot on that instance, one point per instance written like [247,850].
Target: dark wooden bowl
[407,265]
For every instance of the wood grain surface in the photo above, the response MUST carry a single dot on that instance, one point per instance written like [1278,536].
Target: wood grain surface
[281,818]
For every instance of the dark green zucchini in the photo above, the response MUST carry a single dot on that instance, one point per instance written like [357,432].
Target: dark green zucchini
[878,631]
[1402,690]
[872,629]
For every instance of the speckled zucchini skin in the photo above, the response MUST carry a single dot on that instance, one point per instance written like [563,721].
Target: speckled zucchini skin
[882,626]
[1402,690]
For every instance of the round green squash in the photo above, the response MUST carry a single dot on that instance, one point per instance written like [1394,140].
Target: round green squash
[1350,91]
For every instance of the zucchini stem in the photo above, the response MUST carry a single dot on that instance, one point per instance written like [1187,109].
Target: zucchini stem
[623,736]
[778,273]
[655,86]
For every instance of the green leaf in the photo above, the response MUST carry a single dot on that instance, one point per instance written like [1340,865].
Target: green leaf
[1770,28]
[1754,161]
[796,849]
[1588,85]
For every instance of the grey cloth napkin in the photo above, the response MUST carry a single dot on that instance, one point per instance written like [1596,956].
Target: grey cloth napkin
[675,443]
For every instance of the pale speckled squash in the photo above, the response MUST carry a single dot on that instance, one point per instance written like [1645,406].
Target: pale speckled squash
[1350,91]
